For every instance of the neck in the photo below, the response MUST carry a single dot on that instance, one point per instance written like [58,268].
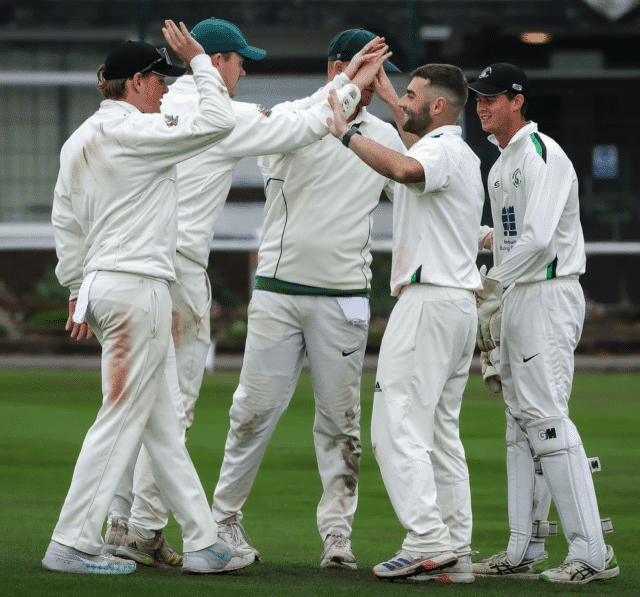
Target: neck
[503,137]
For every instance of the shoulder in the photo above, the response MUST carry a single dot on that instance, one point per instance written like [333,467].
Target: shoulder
[383,132]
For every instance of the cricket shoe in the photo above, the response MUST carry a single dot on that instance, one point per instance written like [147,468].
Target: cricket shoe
[407,564]
[217,558]
[150,552]
[460,573]
[61,558]
[577,572]
[499,565]
[337,553]
[233,533]
[114,536]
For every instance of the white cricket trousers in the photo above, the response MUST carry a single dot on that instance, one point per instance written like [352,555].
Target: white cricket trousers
[138,498]
[423,368]
[281,329]
[131,317]
[541,326]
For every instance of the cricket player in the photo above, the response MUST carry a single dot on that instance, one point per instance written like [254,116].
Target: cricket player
[538,252]
[311,297]
[115,225]
[203,184]
[427,346]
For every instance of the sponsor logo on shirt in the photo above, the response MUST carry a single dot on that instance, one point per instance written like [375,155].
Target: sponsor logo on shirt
[496,184]
[265,112]
[509,221]
[170,120]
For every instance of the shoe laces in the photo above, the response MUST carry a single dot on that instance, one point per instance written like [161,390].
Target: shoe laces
[339,542]
[237,532]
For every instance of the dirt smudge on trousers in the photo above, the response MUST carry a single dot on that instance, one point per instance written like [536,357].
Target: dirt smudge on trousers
[120,364]
[351,452]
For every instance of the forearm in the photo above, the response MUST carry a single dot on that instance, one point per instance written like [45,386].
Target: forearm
[396,166]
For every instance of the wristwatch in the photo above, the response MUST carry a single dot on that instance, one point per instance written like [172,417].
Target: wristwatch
[350,133]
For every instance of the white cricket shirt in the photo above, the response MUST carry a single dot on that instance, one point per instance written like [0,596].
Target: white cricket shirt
[115,202]
[436,223]
[317,218]
[204,180]
[533,189]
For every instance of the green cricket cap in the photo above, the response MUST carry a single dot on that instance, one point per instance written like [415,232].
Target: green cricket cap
[218,35]
[347,44]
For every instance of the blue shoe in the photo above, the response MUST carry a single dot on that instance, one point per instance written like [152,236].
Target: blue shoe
[61,558]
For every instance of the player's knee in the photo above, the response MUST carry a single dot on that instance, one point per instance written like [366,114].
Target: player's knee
[552,434]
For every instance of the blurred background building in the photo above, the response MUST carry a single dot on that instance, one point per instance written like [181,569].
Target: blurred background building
[583,57]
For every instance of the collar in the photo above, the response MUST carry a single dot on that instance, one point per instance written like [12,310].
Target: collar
[363,116]
[111,105]
[525,131]
[445,130]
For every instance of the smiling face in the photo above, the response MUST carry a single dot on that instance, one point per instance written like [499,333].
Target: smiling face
[500,116]
[416,106]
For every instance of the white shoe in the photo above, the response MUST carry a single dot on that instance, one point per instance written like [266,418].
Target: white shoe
[233,533]
[460,573]
[219,557]
[337,553]
[61,558]
[406,564]
[499,565]
[577,572]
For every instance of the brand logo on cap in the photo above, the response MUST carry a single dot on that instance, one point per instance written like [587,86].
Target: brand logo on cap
[516,87]
[485,73]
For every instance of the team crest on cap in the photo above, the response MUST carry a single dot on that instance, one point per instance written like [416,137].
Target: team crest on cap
[485,73]
[170,120]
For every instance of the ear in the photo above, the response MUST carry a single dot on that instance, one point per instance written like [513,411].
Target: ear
[339,66]
[517,102]
[216,59]
[135,82]
[439,106]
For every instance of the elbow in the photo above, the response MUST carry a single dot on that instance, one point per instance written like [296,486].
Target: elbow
[406,175]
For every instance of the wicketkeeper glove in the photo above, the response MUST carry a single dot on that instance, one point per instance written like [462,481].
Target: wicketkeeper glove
[488,301]
[490,366]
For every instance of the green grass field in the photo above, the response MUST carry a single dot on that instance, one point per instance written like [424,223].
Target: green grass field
[45,414]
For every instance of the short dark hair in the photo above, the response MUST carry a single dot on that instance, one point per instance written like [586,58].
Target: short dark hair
[525,104]
[447,76]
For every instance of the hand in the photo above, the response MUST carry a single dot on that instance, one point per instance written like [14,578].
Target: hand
[486,242]
[384,89]
[79,330]
[488,301]
[181,41]
[490,370]
[356,62]
[369,69]
[338,124]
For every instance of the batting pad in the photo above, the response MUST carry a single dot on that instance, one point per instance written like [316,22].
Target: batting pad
[521,484]
[567,472]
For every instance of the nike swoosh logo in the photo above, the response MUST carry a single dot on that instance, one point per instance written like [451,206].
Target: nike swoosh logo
[527,360]
[223,556]
[346,354]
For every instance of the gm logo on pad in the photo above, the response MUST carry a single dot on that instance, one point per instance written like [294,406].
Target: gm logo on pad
[547,433]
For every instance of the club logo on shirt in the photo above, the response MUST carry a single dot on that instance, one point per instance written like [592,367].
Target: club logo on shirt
[170,120]
[265,112]
[496,184]
[516,177]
